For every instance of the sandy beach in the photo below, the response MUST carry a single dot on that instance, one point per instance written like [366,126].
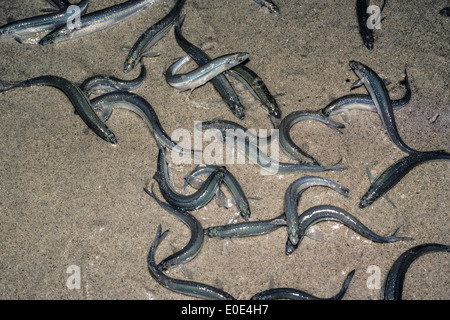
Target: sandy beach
[70,200]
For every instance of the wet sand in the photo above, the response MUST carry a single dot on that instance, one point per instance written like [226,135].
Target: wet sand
[68,198]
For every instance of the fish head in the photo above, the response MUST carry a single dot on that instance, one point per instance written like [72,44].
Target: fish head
[240,57]
[368,42]
[365,202]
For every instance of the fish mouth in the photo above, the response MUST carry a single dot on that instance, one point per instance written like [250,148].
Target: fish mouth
[363,203]
[242,57]
[354,64]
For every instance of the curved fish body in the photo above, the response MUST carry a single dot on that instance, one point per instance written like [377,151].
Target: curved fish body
[151,36]
[133,102]
[380,96]
[232,185]
[393,285]
[45,22]
[321,213]
[78,98]
[110,83]
[96,21]
[294,294]
[192,248]
[202,74]
[190,288]
[363,102]
[288,145]
[186,202]
[292,197]
[395,172]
